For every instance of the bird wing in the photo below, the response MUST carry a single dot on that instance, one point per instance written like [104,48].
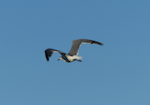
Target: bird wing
[76,44]
[49,52]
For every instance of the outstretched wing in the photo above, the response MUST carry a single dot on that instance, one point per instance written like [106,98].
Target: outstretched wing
[76,44]
[49,52]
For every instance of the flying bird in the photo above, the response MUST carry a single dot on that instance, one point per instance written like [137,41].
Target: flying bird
[73,53]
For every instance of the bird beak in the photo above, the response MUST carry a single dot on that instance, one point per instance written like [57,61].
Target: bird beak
[58,59]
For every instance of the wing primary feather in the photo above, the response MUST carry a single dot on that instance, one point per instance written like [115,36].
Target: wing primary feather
[47,57]
[49,52]
[95,42]
[77,43]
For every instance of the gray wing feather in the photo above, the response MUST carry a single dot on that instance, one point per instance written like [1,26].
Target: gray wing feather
[49,52]
[76,44]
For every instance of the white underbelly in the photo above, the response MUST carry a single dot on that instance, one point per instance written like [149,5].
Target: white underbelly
[71,58]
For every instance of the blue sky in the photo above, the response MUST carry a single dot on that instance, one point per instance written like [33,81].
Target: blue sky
[117,73]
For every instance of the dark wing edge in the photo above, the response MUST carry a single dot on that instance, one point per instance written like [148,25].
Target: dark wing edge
[95,42]
[46,55]
[49,53]
[90,41]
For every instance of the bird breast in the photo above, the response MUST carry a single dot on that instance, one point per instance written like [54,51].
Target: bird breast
[71,58]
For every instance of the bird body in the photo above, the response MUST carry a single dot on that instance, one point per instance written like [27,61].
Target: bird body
[69,58]
[73,54]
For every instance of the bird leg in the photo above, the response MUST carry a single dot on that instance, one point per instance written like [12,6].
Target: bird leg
[79,60]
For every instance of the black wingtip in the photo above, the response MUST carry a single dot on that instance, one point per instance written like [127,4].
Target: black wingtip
[99,43]
[47,57]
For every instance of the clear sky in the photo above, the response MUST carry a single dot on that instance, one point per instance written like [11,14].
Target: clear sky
[117,73]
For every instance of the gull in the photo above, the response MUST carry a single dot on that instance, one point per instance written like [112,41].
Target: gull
[73,53]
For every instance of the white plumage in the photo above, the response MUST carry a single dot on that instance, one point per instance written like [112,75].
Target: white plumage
[72,55]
